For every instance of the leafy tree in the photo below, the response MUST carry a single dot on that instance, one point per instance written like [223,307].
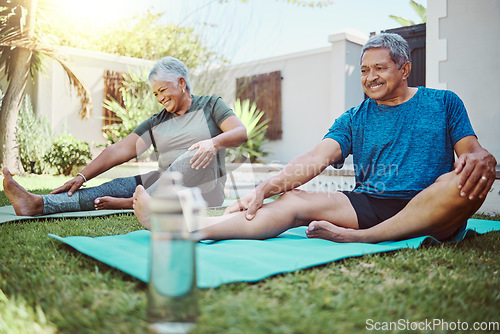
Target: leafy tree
[418,8]
[141,36]
[21,47]
[145,36]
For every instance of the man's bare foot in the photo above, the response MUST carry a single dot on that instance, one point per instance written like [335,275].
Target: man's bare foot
[24,202]
[112,203]
[141,206]
[322,229]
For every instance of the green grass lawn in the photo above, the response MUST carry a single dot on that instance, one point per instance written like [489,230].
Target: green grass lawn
[50,287]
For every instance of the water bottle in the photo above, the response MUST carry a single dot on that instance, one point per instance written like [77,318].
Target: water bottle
[172,292]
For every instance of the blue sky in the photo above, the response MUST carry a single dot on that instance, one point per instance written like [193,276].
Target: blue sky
[263,28]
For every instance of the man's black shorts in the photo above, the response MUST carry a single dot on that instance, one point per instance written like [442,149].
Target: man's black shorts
[371,210]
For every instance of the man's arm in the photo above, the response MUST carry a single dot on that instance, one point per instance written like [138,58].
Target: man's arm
[299,171]
[476,167]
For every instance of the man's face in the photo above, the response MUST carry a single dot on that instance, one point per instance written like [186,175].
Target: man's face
[381,78]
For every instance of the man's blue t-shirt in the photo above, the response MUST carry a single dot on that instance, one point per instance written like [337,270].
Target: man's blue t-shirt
[400,150]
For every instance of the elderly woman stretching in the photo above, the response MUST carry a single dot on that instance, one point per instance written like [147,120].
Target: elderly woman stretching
[190,135]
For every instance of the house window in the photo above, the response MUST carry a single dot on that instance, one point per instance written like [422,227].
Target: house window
[113,81]
[265,91]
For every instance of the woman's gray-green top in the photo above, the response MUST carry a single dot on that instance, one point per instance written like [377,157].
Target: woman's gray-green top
[172,135]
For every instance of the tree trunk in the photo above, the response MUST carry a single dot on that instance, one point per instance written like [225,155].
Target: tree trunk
[9,153]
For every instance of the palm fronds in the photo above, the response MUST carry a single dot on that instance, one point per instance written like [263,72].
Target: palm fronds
[13,40]
[13,36]
[253,149]
[420,10]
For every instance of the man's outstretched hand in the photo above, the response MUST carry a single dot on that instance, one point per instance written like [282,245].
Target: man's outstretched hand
[251,202]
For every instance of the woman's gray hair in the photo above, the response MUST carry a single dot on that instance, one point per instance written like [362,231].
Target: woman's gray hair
[397,46]
[169,69]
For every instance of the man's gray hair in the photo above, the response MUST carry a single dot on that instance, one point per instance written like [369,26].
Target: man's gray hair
[169,69]
[397,46]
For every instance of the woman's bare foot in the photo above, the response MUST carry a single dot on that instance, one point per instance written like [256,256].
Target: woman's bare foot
[24,202]
[141,206]
[112,203]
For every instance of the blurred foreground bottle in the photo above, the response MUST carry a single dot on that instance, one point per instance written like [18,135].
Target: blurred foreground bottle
[172,291]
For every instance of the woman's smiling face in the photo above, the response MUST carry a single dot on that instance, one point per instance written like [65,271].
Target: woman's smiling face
[169,94]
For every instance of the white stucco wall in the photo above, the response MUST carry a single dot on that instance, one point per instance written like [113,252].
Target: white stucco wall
[54,98]
[462,53]
[345,74]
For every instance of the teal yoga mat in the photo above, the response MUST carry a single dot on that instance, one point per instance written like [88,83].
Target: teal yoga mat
[246,260]
[7,214]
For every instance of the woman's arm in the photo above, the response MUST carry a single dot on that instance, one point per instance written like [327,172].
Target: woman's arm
[113,155]
[233,134]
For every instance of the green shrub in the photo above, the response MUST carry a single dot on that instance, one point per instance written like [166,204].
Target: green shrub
[67,152]
[140,103]
[34,137]
[253,149]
